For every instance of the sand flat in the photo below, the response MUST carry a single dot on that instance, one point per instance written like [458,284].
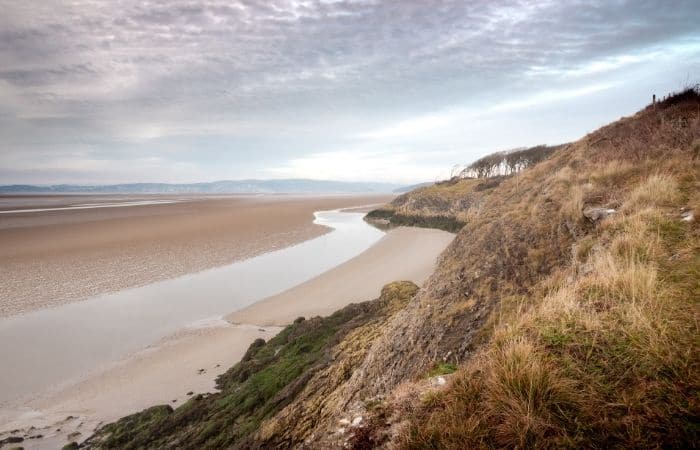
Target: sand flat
[49,258]
[157,375]
[170,369]
[402,254]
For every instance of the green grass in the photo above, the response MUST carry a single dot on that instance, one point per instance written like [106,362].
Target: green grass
[268,378]
[445,223]
[442,368]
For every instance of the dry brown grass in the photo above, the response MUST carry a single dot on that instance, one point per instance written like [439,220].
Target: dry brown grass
[607,358]
[656,190]
[573,203]
[526,395]
[602,353]
[612,173]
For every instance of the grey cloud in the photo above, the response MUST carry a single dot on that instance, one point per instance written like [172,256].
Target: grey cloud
[260,71]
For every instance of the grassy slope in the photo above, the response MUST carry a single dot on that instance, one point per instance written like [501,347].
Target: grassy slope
[600,349]
[269,377]
[444,205]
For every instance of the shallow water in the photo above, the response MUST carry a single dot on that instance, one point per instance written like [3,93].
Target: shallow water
[47,348]
[92,206]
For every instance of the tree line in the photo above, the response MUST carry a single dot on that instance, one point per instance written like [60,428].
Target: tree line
[508,162]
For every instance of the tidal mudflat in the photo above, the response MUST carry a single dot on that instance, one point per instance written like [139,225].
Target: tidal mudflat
[61,255]
[118,352]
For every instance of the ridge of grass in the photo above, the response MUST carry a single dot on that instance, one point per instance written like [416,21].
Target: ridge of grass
[393,219]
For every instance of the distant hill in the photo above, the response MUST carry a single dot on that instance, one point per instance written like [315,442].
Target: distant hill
[295,186]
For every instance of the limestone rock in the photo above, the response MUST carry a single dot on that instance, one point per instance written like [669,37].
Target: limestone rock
[597,214]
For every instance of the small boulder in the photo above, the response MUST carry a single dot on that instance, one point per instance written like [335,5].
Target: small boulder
[597,214]
[74,435]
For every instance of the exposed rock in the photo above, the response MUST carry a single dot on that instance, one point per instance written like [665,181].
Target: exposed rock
[438,381]
[12,440]
[597,214]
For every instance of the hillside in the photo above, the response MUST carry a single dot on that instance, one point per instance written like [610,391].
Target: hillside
[563,314]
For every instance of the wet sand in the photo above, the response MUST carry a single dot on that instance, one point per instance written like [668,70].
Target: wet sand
[170,369]
[402,254]
[48,258]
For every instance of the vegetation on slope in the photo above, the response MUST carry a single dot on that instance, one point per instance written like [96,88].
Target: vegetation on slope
[441,205]
[268,378]
[587,338]
[508,162]
[384,218]
[601,356]
[447,205]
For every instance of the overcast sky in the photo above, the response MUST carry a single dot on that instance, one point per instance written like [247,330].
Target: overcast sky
[399,91]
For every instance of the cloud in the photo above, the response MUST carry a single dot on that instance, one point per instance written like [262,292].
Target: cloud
[398,167]
[202,82]
[423,124]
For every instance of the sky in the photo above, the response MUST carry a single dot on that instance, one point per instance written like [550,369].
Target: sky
[355,90]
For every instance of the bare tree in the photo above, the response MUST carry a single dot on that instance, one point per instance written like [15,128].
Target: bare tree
[508,162]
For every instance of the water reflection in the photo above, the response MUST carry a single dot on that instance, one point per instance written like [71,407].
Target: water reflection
[42,349]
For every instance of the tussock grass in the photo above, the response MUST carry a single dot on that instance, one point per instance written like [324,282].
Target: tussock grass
[656,190]
[573,204]
[605,359]
[526,395]
[613,173]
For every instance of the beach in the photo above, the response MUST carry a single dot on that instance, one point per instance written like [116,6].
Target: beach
[187,361]
[402,254]
[49,258]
